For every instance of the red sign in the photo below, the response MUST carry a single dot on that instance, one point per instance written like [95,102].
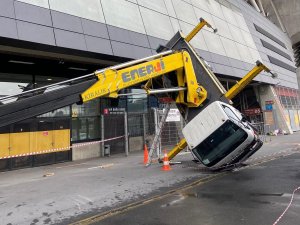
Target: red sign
[105,111]
[45,133]
[252,112]
[165,100]
[287,92]
[270,102]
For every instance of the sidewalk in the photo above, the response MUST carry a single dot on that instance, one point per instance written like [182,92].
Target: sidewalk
[91,186]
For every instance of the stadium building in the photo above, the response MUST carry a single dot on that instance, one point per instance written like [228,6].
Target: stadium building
[48,41]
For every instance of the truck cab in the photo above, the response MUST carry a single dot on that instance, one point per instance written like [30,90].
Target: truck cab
[220,137]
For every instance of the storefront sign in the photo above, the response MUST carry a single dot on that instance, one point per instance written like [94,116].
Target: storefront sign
[269,107]
[252,112]
[113,111]
[165,100]
[105,111]
[269,102]
[74,112]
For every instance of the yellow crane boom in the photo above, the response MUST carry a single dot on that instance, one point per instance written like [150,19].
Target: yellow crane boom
[110,82]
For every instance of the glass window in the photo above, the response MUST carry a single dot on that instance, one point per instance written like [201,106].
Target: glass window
[230,48]
[82,129]
[214,43]
[86,128]
[137,105]
[75,129]
[156,5]
[198,41]
[62,112]
[91,108]
[10,88]
[47,80]
[185,12]
[94,126]
[220,143]
[89,9]
[124,14]
[14,84]
[152,19]
[41,3]
[137,102]
[230,113]
[86,121]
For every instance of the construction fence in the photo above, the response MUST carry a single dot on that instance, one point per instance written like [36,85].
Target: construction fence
[143,127]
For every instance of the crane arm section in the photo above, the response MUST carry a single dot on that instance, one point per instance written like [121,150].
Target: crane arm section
[230,94]
[239,86]
[110,82]
[178,62]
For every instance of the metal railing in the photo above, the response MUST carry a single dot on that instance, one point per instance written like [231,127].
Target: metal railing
[264,131]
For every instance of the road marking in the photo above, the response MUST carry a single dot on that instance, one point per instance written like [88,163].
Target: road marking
[85,198]
[184,153]
[136,204]
[101,166]
[286,209]
[78,201]
[48,175]
[122,209]
[78,164]
[181,198]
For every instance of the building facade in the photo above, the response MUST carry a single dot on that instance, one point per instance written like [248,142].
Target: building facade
[46,41]
[286,15]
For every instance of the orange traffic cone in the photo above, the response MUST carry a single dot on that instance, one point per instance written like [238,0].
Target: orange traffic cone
[146,155]
[166,163]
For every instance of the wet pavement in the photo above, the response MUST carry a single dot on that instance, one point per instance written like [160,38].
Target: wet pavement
[251,196]
[72,191]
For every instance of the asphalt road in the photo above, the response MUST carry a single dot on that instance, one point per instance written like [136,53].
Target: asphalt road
[80,190]
[254,195]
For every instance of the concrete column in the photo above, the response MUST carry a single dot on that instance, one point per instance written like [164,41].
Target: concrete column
[102,136]
[298,76]
[261,7]
[278,16]
[267,93]
[126,134]
[253,3]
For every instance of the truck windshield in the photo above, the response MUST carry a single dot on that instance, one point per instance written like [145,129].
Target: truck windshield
[220,143]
